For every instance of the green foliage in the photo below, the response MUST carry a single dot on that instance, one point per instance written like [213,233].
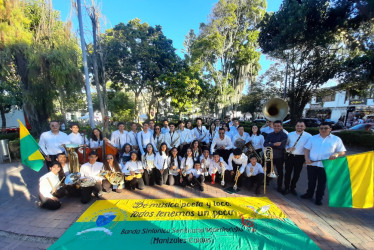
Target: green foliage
[360,139]
[10,136]
[121,105]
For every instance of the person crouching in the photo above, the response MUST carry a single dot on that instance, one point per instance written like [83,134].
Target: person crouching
[253,174]
[195,176]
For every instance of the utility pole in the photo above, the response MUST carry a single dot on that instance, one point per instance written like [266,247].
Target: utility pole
[285,81]
[84,55]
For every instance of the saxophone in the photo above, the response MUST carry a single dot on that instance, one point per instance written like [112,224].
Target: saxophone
[172,143]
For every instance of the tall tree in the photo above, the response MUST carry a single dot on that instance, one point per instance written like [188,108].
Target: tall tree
[227,47]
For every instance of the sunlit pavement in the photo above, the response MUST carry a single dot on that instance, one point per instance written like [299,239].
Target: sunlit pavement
[24,225]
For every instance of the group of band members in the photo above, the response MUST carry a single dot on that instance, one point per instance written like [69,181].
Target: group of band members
[188,157]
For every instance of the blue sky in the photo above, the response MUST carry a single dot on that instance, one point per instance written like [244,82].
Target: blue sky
[176,17]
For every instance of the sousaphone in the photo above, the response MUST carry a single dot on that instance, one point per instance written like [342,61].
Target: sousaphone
[275,109]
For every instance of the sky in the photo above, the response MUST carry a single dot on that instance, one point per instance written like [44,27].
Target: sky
[176,17]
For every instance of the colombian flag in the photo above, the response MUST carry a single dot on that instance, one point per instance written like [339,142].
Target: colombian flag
[350,180]
[30,153]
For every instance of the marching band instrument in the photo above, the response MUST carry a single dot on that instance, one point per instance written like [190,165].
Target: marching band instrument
[249,150]
[88,182]
[55,188]
[275,109]
[172,143]
[235,187]
[114,178]
[223,169]
[269,158]
[131,177]
[83,153]
[107,149]
[73,178]
[73,157]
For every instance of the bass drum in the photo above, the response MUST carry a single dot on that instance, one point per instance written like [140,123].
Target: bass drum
[80,154]
[109,150]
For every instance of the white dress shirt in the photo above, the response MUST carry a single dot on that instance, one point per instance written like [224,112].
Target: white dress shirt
[216,166]
[45,187]
[196,173]
[185,136]
[244,137]
[243,160]
[258,141]
[92,170]
[132,139]
[226,142]
[292,138]
[187,163]
[172,139]
[164,130]
[51,143]
[149,161]
[144,139]
[95,144]
[65,169]
[173,172]
[205,162]
[201,134]
[118,139]
[76,138]
[213,135]
[135,166]
[158,139]
[322,148]
[161,161]
[256,169]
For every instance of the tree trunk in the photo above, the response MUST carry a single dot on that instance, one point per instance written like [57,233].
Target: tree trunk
[62,106]
[136,107]
[3,119]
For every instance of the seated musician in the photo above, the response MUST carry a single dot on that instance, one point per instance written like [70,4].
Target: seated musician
[75,137]
[133,170]
[96,140]
[222,145]
[151,173]
[187,163]
[172,137]
[125,156]
[174,165]
[195,176]
[161,163]
[219,170]
[237,160]
[111,165]
[205,160]
[158,138]
[91,180]
[253,174]
[196,150]
[49,191]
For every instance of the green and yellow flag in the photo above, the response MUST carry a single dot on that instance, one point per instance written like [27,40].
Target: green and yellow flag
[350,180]
[30,153]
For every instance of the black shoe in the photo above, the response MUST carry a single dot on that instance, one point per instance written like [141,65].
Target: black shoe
[318,202]
[293,191]
[306,196]
[286,191]
[280,190]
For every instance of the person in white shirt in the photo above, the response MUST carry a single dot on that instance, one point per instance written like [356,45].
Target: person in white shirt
[222,145]
[134,170]
[189,126]
[119,137]
[161,162]
[90,173]
[213,132]
[158,138]
[228,132]
[257,140]
[295,156]
[51,142]
[97,139]
[186,164]
[112,166]
[172,138]
[152,125]
[253,174]
[227,120]
[49,188]
[75,137]
[151,174]
[132,138]
[267,129]
[196,176]
[125,154]
[320,147]
[165,127]
[234,127]
[144,138]
[196,150]
[62,159]
[241,136]
[185,138]
[236,160]
[205,160]
[218,169]
[200,132]
[174,166]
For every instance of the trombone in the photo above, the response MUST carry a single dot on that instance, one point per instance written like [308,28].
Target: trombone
[268,158]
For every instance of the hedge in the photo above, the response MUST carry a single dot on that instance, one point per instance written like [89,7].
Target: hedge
[362,139]
[10,136]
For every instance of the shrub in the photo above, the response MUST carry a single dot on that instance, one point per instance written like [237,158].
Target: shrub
[10,136]
[361,139]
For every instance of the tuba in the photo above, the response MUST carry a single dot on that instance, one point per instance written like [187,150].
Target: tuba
[275,109]
[73,158]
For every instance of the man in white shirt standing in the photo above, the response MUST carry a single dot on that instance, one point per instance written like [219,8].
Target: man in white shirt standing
[165,127]
[51,142]
[119,137]
[200,132]
[75,137]
[172,138]
[185,139]
[320,147]
[234,127]
[295,156]
[241,135]
[222,145]
[132,137]
[144,138]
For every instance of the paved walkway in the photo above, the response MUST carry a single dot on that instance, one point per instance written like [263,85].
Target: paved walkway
[25,226]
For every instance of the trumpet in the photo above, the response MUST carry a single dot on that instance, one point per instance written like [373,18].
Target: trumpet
[235,187]
[223,169]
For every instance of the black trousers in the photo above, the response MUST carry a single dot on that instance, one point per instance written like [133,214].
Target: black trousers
[254,179]
[278,163]
[87,191]
[235,167]
[135,183]
[294,163]
[316,174]
[182,149]
[197,182]
[52,204]
[224,153]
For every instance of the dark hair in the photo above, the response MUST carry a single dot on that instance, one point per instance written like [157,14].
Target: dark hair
[240,126]
[120,123]
[197,162]
[74,124]
[164,120]
[185,155]
[198,119]
[124,146]
[180,122]
[252,156]
[278,121]
[145,123]
[153,149]
[94,152]
[55,163]
[235,119]
[154,133]
[210,128]
[227,125]
[300,121]
[221,129]
[151,120]
[167,151]
[237,151]
[215,153]
[172,124]
[325,124]
[93,136]
[257,133]
[188,122]
[133,152]
[60,154]
[115,164]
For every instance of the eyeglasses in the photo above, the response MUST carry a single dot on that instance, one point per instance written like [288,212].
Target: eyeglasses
[109,158]
[157,128]
[324,128]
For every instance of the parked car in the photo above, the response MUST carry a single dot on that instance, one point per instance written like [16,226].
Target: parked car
[311,122]
[363,127]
